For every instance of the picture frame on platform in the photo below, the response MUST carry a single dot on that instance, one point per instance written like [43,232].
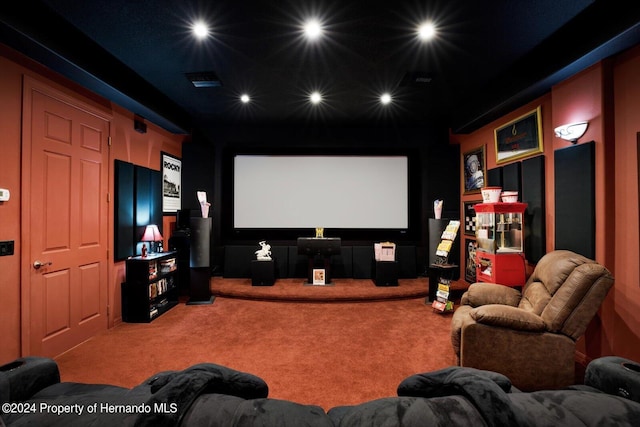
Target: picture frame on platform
[469,215]
[519,138]
[319,276]
[470,260]
[475,170]
[171,168]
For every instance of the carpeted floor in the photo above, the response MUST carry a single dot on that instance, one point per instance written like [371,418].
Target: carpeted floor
[326,354]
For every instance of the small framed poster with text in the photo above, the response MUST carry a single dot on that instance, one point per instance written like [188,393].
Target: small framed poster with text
[171,184]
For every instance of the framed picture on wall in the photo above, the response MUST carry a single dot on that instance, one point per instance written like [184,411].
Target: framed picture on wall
[475,170]
[171,184]
[470,260]
[521,137]
[470,218]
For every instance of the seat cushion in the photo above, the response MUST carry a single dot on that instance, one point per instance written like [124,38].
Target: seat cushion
[216,410]
[408,412]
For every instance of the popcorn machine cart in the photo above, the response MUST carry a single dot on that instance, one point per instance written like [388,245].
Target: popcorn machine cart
[500,238]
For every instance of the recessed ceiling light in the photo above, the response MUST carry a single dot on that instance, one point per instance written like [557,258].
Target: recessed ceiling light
[385,98]
[200,30]
[245,98]
[313,29]
[426,31]
[315,98]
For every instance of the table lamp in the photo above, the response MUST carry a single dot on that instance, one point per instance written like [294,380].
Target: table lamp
[151,235]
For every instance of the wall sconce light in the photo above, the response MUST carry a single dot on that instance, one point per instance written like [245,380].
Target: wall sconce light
[151,235]
[571,132]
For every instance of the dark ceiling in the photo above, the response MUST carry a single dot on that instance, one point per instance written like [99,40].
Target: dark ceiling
[488,56]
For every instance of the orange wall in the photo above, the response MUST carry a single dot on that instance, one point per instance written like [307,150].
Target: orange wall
[10,112]
[608,96]
[144,150]
[128,145]
[622,325]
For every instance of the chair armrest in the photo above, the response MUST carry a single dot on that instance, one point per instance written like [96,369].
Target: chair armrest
[24,377]
[614,375]
[489,293]
[508,317]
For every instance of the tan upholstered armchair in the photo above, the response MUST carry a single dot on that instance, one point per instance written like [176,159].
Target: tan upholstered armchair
[530,336]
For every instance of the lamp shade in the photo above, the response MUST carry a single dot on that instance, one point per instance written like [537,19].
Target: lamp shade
[151,234]
[571,132]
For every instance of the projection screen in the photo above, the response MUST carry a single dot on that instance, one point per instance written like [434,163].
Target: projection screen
[292,191]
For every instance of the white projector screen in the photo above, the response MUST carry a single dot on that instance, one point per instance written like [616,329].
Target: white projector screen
[282,191]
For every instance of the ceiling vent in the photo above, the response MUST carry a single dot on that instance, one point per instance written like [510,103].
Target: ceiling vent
[204,79]
[416,78]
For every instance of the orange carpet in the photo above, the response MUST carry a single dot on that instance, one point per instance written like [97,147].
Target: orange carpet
[326,354]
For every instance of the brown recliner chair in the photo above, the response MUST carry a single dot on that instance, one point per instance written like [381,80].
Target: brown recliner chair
[530,336]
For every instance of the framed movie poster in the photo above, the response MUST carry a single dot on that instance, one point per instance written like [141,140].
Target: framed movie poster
[519,138]
[475,170]
[470,218]
[470,260]
[171,184]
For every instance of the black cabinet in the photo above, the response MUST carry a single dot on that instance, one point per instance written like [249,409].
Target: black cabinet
[151,286]
[262,273]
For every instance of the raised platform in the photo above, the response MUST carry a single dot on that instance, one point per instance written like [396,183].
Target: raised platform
[342,290]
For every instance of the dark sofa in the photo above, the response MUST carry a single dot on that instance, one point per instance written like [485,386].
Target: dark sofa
[211,395]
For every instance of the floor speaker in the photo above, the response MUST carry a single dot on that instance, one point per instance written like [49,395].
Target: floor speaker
[199,261]
[180,241]
[200,242]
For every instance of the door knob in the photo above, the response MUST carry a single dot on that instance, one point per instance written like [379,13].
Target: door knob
[37,264]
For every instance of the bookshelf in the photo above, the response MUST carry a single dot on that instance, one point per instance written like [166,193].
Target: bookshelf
[150,288]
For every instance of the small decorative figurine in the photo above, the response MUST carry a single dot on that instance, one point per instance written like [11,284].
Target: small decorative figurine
[264,253]
[144,250]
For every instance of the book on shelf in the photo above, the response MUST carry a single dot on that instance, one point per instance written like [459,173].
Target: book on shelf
[153,290]
[168,265]
[444,247]
[442,302]
[153,270]
[448,236]
[442,306]
[442,296]
[451,231]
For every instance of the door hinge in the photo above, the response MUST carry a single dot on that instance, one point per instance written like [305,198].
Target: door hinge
[108,310]
[109,141]
[108,197]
